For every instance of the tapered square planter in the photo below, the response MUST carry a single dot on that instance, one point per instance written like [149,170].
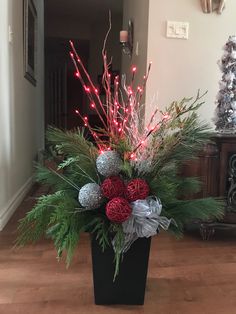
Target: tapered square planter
[130,284]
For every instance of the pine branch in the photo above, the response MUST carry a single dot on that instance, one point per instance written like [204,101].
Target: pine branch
[72,143]
[55,179]
[100,227]
[184,212]
[54,216]
[188,186]
[165,188]
[181,145]
[45,176]
[79,154]
[68,162]
[65,230]
[34,225]
[118,244]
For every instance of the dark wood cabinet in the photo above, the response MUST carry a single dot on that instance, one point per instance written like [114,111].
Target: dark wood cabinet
[206,169]
[215,169]
[226,145]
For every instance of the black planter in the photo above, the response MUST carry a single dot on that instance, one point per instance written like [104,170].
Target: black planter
[129,286]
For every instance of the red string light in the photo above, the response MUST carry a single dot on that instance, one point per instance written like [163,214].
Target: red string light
[89,80]
[118,114]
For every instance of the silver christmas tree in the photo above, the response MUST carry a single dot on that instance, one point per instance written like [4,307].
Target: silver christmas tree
[225,117]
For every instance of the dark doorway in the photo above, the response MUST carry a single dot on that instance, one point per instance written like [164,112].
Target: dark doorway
[86,23]
[63,92]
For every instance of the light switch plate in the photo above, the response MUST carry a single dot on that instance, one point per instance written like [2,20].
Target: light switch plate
[178,30]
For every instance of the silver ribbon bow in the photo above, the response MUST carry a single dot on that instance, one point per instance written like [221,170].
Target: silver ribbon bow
[144,221]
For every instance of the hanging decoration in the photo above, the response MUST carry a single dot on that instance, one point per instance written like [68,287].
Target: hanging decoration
[90,196]
[118,210]
[109,163]
[225,115]
[137,189]
[113,187]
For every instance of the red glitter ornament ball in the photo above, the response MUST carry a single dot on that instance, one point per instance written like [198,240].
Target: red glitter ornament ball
[113,187]
[137,189]
[118,210]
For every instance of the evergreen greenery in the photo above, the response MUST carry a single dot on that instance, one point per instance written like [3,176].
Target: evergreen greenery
[59,216]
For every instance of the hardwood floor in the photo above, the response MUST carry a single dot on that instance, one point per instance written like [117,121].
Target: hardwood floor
[185,276]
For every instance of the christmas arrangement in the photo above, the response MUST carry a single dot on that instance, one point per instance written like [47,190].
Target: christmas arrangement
[225,119]
[124,181]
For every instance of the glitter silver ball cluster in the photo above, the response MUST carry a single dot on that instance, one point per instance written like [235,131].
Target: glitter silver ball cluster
[109,163]
[90,196]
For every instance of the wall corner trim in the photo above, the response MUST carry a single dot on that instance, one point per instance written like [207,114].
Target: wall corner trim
[14,202]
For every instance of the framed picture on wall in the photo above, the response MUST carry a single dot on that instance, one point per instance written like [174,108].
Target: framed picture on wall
[30,28]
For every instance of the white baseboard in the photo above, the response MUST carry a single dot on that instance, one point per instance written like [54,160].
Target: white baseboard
[15,201]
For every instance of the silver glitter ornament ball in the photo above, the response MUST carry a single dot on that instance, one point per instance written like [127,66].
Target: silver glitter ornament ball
[90,196]
[109,163]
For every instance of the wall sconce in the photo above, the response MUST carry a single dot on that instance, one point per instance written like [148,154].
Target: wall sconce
[208,6]
[126,39]
[221,6]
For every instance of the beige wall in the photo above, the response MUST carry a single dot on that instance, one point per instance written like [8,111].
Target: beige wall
[181,67]
[21,109]
[137,11]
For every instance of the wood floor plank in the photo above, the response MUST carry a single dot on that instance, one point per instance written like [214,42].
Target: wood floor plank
[185,276]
